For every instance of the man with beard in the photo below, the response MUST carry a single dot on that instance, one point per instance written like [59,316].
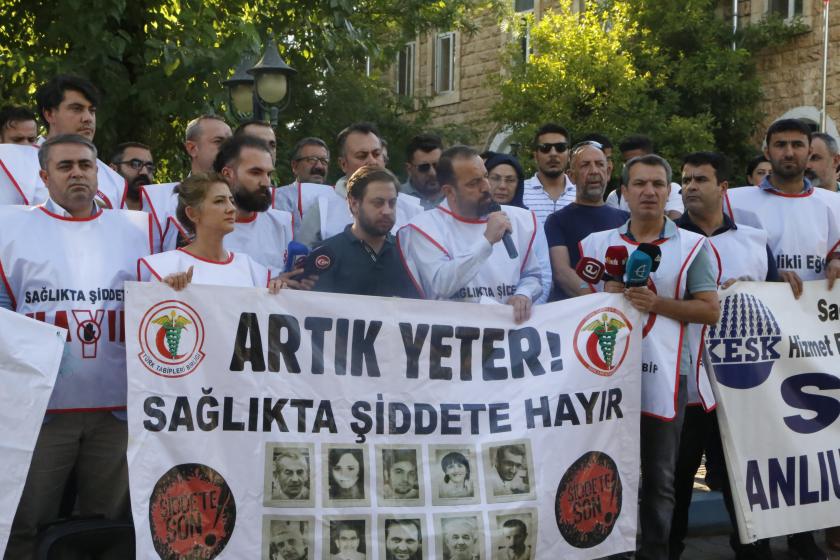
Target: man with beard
[202,139]
[358,145]
[403,540]
[421,159]
[261,232]
[454,251]
[460,537]
[400,481]
[134,162]
[66,105]
[549,189]
[364,257]
[587,214]
[802,223]
[823,161]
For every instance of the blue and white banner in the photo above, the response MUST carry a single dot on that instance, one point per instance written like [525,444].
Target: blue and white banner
[776,377]
[324,426]
[30,354]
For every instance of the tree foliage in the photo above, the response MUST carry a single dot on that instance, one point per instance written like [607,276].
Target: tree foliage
[160,62]
[656,67]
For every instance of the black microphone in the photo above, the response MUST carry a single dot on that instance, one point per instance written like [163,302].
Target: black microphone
[654,252]
[506,238]
[320,260]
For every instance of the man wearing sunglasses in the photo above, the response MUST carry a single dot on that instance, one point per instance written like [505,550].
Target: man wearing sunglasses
[421,158]
[134,162]
[549,189]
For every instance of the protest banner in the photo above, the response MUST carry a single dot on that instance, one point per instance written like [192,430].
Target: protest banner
[311,426]
[776,365]
[30,354]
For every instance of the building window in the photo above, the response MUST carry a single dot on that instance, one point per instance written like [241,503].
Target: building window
[444,78]
[405,70]
[523,5]
[788,9]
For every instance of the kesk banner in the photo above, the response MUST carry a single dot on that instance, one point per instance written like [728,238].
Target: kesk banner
[30,354]
[311,426]
[776,363]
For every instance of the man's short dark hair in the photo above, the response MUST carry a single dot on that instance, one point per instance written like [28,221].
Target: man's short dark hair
[361,128]
[240,130]
[551,128]
[231,149]
[445,170]
[11,114]
[636,142]
[363,176]
[46,147]
[518,524]
[788,125]
[119,151]
[717,160]
[415,523]
[50,95]
[308,141]
[423,142]
[753,163]
[647,159]
[829,141]
[513,448]
[605,142]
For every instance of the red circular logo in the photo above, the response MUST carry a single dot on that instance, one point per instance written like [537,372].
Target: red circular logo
[192,513]
[322,262]
[601,340]
[171,339]
[588,500]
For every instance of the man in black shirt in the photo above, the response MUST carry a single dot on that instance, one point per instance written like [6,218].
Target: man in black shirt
[363,259]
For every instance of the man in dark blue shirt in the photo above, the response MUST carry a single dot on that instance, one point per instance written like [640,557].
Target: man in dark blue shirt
[565,228]
[363,259]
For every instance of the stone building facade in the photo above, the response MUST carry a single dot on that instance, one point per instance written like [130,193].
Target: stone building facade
[454,72]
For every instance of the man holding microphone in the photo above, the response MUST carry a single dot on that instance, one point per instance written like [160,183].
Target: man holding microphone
[680,290]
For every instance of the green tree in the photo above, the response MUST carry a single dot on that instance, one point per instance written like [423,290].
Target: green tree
[160,62]
[663,68]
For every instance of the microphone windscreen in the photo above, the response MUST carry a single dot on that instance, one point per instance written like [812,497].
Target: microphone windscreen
[320,260]
[616,260]
[654,252]
[590,270]
[639,265]
[296,255]
[494,207]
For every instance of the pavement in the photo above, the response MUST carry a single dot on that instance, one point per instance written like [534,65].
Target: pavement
[709,527]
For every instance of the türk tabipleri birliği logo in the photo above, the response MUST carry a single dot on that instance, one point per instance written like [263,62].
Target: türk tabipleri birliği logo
[171,338]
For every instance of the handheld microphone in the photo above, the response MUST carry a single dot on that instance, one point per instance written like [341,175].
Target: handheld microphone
[296,255]
[506,238]
[320,260]
[654,252]
[639,266]
[615,261]
[590,270]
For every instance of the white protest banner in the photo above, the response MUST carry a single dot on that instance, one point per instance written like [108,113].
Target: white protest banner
[776,363]
[320,426]
[30,353]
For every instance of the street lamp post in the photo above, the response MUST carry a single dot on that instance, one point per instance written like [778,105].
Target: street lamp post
[265,85]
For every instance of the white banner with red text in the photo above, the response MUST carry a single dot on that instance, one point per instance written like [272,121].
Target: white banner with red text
[319,426]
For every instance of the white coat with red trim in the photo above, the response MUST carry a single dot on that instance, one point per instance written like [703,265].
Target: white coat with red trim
[264,237]
[448,257]
[161,201]
[239,270]
[70,272]
[802,229]
[662,342]
[20,182]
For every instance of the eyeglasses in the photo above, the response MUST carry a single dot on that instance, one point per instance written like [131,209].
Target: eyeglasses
[559,146]
[585,143]
[498,180]
[425,167]
[312,160]
[138,164]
